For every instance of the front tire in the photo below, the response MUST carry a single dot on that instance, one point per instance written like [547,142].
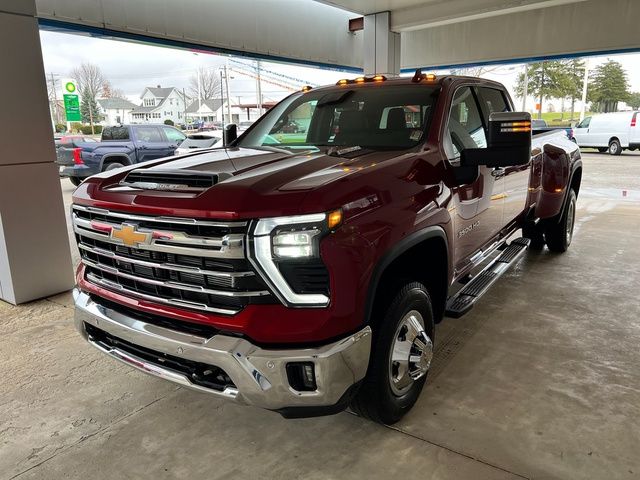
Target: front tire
[400,358]
[614,147]
[559,235]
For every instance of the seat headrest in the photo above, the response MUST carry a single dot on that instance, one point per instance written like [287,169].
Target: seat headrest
[396,119]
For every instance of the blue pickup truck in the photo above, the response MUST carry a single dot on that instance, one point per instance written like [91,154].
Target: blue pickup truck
[119,146]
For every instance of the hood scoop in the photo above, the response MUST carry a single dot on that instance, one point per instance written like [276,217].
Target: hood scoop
[172,180]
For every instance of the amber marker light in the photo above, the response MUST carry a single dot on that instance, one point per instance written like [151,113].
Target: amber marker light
[379,78]
[360,80]
[334,219]
[306,88]
[343,81]
[430,77]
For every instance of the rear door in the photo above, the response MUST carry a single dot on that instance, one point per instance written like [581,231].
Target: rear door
[516,178]
[634,131]
[150,143]
[478,205]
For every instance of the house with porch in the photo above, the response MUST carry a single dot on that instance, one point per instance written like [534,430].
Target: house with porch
[160,104]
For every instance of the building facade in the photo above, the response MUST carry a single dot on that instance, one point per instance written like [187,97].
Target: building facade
[160,104]
[115,111]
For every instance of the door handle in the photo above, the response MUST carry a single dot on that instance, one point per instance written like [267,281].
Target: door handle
[497,172]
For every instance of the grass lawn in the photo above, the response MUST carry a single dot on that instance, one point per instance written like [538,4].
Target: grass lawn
[553,118]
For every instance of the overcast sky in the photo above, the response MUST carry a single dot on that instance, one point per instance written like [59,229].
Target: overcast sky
[131,67]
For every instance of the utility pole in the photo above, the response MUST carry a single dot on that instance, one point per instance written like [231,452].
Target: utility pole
[541,92]
[199,93]
[585,85]
[226,82]
[259,95]
[55,101]
[184,104]
[222,99]
[526,87]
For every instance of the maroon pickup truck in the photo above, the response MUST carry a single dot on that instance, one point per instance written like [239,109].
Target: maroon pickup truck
[303,273]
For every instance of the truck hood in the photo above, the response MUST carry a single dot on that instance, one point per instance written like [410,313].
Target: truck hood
[252,182]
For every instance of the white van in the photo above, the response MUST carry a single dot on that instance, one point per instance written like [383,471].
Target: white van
[612,132]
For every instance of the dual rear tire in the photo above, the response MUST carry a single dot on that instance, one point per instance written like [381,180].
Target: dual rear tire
[556,233]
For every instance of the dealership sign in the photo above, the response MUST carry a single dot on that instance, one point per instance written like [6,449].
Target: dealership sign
[71,101]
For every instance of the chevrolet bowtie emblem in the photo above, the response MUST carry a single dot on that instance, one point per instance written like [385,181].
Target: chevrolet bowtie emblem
[128,235]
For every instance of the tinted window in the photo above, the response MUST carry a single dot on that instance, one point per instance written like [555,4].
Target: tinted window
[493,101]
[149,134]
[465,126]
[173,135]
[115,133]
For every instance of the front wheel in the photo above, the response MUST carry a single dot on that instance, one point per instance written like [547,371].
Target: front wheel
[614,147]
[400,358]
[559,235]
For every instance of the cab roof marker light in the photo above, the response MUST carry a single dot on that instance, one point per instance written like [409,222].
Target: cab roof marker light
[419,76]
[342,81]
[360,80]
[306,88]
[375,78]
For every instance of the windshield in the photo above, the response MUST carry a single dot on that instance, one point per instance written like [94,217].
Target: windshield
[376,117]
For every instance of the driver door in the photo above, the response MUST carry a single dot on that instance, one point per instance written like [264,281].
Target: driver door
[477,216]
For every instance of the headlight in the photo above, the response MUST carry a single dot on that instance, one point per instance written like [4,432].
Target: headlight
[289,240]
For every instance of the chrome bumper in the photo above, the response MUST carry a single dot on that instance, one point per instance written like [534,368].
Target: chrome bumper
[259,375]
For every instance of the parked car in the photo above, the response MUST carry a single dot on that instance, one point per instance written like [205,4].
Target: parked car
[303,277]
[609,132]
[538,123]
[291,126]
[119,146]
[200,141]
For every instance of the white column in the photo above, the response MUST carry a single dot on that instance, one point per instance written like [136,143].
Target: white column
[35,260]
[381,46]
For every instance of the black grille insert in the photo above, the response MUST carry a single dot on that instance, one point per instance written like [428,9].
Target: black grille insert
[170,180]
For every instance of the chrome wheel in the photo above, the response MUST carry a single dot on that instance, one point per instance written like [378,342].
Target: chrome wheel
[571,216]
[411,353]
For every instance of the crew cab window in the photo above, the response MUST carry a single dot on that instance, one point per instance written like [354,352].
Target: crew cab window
[465,128]
[174,135]
[149,134]
[115,133]
[492,100]
[584,123]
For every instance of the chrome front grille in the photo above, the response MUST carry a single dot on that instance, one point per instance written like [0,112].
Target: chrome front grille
[194,264]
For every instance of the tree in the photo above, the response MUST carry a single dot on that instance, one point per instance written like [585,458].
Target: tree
[208,85]
[109,92]
[543,81]
[569,77]
[608,86]
[90,81]
[634,100]
[477,71]
[89,109]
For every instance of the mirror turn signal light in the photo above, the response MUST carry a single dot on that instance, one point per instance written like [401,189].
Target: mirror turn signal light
[515,127]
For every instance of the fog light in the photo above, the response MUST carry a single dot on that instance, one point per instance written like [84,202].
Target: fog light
[302,376]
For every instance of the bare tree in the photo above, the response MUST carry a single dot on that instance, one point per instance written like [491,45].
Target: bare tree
[207,87]
[476,71]
[109,92]
[89,77]
[90,81]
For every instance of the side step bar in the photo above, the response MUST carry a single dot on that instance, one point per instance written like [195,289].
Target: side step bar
[463,301]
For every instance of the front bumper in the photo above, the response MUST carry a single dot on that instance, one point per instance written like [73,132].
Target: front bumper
[259,375]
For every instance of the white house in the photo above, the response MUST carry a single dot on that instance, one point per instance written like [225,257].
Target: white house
[212,110]
[115,110]
[160,104]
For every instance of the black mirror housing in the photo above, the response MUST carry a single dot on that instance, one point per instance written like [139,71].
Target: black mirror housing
[509,142]
[230,134]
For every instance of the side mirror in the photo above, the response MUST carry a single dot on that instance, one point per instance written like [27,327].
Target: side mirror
[230,134]
[509,142]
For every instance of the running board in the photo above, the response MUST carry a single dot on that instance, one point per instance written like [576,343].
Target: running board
[464,300]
